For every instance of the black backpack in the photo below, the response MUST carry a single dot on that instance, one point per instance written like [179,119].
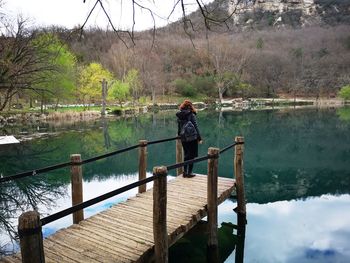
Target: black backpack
[188,132]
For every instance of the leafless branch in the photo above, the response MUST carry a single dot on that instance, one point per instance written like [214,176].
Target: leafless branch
[206,12]
[114,29]
[174,7]
[87,18]
[152,15]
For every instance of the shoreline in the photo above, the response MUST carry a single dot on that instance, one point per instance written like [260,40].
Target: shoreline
[237,104]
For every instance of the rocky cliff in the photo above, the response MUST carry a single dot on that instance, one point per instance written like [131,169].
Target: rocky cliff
[295,13]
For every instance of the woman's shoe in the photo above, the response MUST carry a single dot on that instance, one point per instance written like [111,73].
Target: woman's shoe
[190,175]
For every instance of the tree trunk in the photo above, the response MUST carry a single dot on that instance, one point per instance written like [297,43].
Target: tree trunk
[104,95]
[3,105]
[268,91]
[56,106]
[84,103]
[9,103]
[220,93]
[42,103]
[153,96]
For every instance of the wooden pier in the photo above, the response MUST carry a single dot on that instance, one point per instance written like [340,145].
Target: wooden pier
[124,233]
[142,228]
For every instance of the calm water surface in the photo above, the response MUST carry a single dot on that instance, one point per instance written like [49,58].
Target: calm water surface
[297,172]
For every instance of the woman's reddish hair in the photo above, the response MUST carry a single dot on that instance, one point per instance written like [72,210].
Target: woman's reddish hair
[187,104]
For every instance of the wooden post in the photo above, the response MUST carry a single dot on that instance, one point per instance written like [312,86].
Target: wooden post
[160,233]
[142,164]
[238,165]
[179,157]
[77,186]
[31,238]
[241,226]
[212,196]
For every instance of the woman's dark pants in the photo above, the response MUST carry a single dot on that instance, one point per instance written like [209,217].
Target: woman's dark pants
[191,152]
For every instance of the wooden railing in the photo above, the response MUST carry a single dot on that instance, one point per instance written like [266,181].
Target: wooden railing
[30,224]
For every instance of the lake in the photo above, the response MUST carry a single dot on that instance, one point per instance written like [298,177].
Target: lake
[296,168]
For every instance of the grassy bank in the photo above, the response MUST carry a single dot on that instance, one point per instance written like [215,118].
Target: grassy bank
[162,103]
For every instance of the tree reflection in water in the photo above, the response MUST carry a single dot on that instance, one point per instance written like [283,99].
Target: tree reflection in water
[22,195]
[193,246]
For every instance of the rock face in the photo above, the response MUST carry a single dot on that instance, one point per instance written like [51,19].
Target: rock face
[295,13]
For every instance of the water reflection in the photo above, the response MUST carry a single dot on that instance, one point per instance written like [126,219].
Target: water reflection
[231,239]
[23,195]
[344,114]
[289,154]
[193,246]
[311,230]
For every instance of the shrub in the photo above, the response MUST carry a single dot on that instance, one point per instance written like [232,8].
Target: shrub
[188,91]
[184,88]
[344,92]
[179,85]
[204,85]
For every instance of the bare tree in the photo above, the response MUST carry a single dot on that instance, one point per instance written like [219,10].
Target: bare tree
[22,62]
[152,80]
[228,63]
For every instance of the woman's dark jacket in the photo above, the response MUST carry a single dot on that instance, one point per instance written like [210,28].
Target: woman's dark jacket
[185,115]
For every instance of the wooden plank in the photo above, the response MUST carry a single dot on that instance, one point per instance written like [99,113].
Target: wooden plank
[72,253]
[10,259]
[174,205]
[145,236]
[90,249]
[53,257]
[200,186]
[115,227]
[139,215]
[139,238]
[110,244]
[143,204]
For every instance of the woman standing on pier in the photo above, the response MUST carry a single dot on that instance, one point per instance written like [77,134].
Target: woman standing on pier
[189,133]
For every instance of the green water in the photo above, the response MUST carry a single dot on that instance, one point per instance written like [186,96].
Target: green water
[296,163]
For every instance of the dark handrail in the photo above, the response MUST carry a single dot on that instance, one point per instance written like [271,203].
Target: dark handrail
[195,160]
[164,140]
[109,154]
[34,172]
[229,147]
[95,200]
[202,158]
[62,165]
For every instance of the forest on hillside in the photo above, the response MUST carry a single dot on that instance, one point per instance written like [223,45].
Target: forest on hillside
[311,61]
[56,65]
